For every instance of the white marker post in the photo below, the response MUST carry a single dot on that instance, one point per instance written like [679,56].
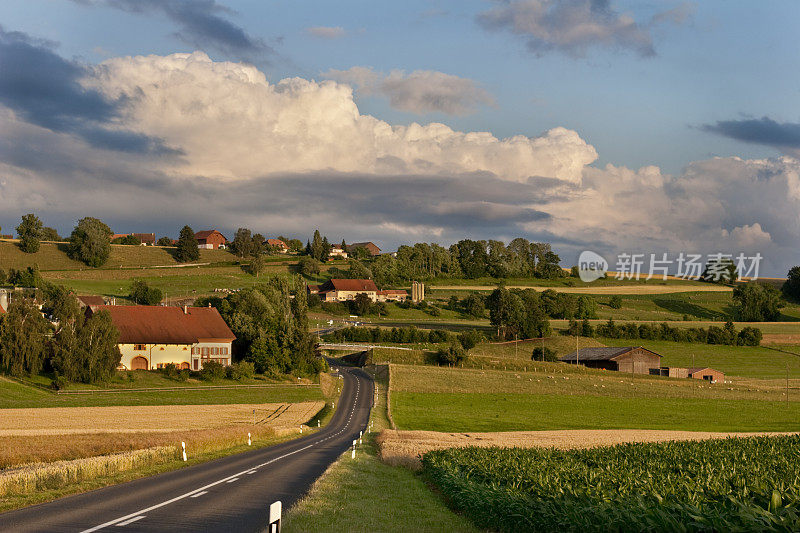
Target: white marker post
[249,442]
[183,447]
[360,433]
[354,449]
[318,425]
[275,518]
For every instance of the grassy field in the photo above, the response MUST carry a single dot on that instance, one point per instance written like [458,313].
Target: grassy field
[16,395]
[364,494]
[442,399]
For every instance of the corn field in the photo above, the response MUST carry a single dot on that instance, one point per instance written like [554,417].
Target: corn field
[737,484]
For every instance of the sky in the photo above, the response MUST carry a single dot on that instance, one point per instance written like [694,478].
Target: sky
[619,127]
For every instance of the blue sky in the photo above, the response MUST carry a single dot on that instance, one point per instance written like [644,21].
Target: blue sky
[663,84]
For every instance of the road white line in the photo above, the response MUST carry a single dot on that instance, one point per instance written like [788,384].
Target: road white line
[198,494]
[188,494]
[131,521]
[232,480]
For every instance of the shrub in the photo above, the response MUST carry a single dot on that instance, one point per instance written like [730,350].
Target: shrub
[470,339]
[749,336]
[241,371]
[212,370]
[615,302]
[544,354]
[452,354]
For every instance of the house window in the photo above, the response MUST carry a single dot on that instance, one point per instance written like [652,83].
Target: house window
[224,351]
[196,364]
[140,347]
[205,352]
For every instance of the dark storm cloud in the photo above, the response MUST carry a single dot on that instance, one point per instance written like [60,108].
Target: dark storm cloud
[44,89]
[202,25]
[781,135]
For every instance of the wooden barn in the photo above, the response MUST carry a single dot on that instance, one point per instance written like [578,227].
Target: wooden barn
[630,359]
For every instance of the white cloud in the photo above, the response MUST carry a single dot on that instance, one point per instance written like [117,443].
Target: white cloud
[420,92]
[232,123]
[327,32]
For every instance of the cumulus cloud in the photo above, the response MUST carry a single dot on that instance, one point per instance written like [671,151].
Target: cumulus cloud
[575,26]
[234,124]
[422,91]
[785,136]
[202,25]
[327,32]
[292,156]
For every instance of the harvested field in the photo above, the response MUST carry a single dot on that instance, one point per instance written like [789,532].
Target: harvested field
[151,418]
[621,289]
[405,448]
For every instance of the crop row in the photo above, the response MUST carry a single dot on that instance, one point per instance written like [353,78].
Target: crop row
[741,484]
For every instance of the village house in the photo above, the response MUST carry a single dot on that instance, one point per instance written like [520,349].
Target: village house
[154,336]
[278,245]
[211,239]
[630,359]
[338,251]
[708,374]
[342,290]
[368,246]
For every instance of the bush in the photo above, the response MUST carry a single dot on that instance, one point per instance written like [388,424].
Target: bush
[143,294]
[544,354]
[453,354]
[212,370]
[470,339]
[59,382]
[615,302]
[749,336]
[241,371]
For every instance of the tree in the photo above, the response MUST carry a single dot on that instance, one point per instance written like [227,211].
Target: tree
[61,304]
[242,244]
[257,265]
[358,270]
[756,302]
[86,349]
[791,287]
[90,242]
[50,234]
[308,266]
[470,338]
[3,276]
[22,338]
[142,294]
[719,270]
[452,354]
[164,241]
[615,302]
[259,246]
[474,305]
[361,304]
[30,233]
[187,246]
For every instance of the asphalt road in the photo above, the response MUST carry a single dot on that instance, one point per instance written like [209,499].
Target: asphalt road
[230,494]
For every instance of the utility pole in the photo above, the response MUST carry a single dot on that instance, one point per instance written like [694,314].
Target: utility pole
[787,384]
[577,350]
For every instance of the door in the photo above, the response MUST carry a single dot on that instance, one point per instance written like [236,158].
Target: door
[138,363]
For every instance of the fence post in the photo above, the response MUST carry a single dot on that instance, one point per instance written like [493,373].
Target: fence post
[249,442]
[183,448]
[275,517]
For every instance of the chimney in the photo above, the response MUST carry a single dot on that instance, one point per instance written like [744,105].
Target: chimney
[185,309]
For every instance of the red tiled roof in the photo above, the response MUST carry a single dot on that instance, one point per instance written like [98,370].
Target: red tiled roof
[276,242]
[144,324]
[92,300]
[206,233]
[2,311]
[357,285]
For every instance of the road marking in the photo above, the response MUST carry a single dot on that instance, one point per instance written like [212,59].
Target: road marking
[138,515]
[131,521]
[251,472]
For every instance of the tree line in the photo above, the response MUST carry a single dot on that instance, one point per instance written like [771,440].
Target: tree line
[70,344]
[728,334]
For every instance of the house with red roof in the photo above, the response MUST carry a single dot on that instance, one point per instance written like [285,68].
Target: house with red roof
[342,290]
[278,245]
[211,239]
[151,337]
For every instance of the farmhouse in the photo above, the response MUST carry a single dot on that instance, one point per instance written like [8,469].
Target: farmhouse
[368,246]
[153,336]
[392,295]
[634,360]
[338,251]
[211,239]
[342,290]
[708,374]
[278,244]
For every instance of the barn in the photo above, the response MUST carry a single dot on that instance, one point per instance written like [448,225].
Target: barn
[211,239]
[630,359]
[708,374]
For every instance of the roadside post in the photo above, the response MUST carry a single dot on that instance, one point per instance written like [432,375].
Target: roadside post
[275,517]
[249,442]
[183,448]
[354,449]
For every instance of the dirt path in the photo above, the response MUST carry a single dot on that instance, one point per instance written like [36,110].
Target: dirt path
[621,289]
[406,447]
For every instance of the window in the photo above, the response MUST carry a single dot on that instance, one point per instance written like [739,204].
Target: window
[196,364]
[140,347]
[205,352]
[224,351]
